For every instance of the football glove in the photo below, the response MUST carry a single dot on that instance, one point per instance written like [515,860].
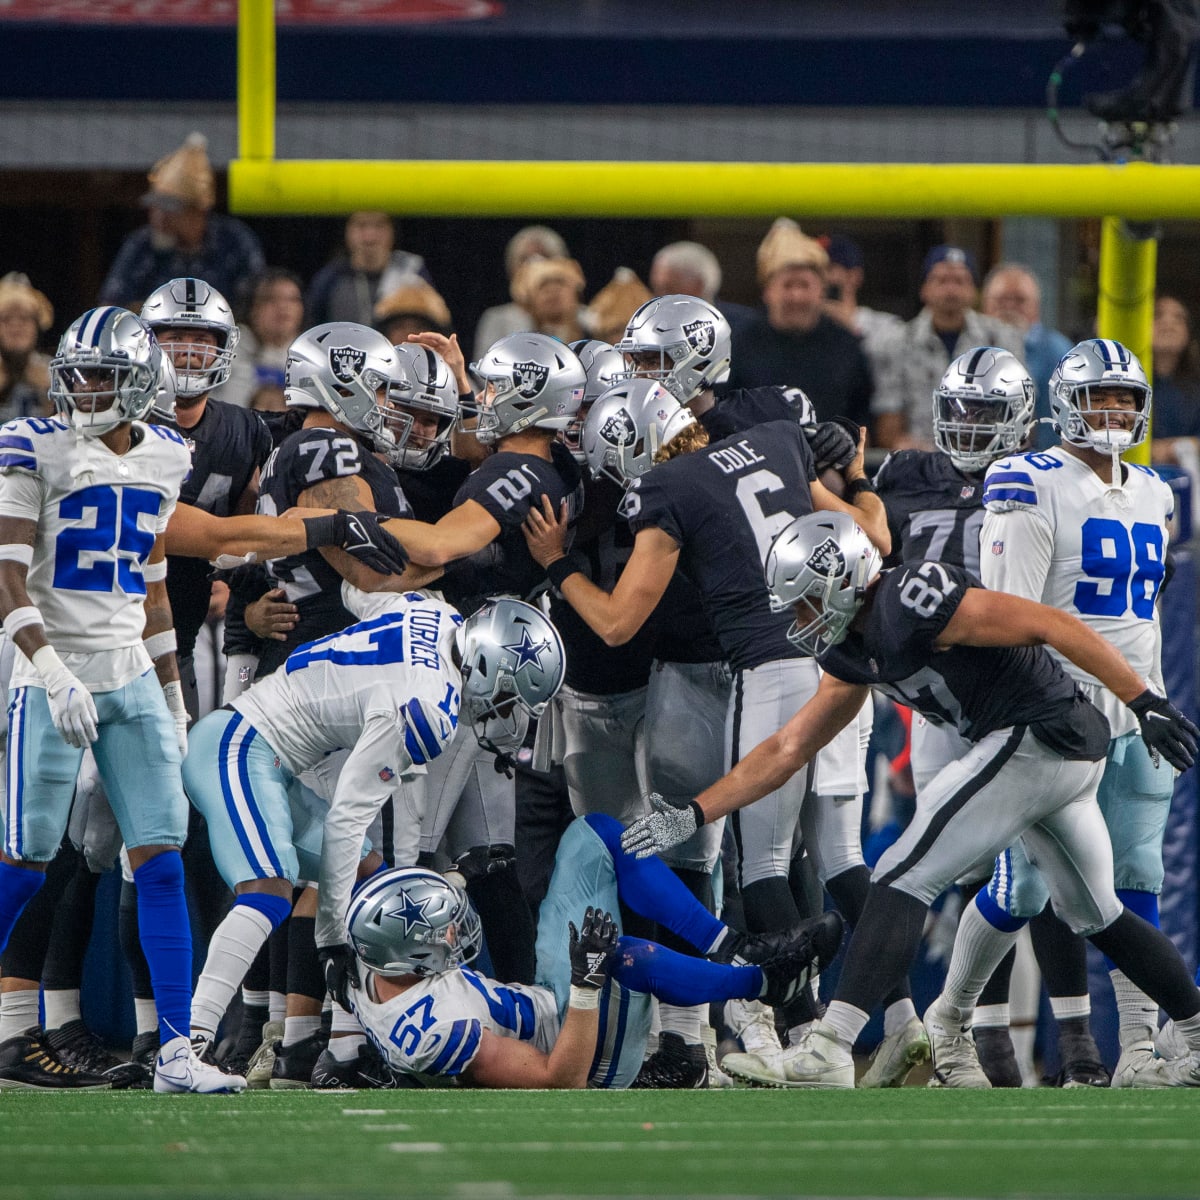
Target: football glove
[833,444]
[1165,729]
[664,826]
[481,861]
[340,965]
[592,949]
[362,536]
[72,708]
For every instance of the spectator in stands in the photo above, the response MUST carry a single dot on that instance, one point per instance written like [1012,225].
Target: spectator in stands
[795,342]
[1013,293]
[843,280]
[909,361]
[611,307]
[414,307]
[183,236]
[1175,417]
[24,373]
[549,290]
[348,288]
[690,269]
[503,319]
[274,319]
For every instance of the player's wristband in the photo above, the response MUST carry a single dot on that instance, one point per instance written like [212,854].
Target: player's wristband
[17,552]
[560,570]
[322,531]
[155,572]
[173,694]
[19,618]
[856,487]
[584,997]
[158,644]
[697,812]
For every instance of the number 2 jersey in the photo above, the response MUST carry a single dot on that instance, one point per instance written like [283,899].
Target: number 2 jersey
[1056,532]
[98,515]
[433,1028]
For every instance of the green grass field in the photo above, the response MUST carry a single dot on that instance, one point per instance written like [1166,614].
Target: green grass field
[911,1142]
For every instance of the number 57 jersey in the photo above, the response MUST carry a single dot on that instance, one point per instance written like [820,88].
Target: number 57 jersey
[1056,532]
[98,514]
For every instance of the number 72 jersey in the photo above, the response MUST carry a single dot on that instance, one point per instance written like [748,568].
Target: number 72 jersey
[1056,532]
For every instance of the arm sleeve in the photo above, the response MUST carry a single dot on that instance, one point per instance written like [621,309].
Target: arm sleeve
[1015,552]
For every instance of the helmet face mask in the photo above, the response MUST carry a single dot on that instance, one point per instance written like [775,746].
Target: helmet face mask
[107,371]
[1081,390]
[422,388]
[982,408]
[820,566]
[411,921]
[177,311]
[627,426]
[679,341]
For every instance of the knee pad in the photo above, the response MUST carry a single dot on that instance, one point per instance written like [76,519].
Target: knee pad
[1016,886]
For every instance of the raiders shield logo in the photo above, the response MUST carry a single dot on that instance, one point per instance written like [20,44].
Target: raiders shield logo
[618,429]
[701,336]
[346,363]
[827,559]
[529,378]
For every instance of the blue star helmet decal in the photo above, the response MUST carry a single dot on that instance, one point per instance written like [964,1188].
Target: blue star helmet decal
[528,651]
[411,912]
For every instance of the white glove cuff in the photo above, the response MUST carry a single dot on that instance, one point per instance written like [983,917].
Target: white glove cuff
[49,666]
[19,618]
[173,694]
[581,997]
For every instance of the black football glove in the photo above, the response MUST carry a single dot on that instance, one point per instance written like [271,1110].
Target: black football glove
[593,949]
[481,861]
[340,965]
[1165,729]
[362,536]
[833,444]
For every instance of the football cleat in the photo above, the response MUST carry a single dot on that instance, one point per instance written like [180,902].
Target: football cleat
[716,1077]
[27,1062]
[181,1069]
[262,1061]
[753,1024]
[76,1046]
[896,1055]
[790,958]
[993,1044]
[674,1064]
[1169,1042]
[1170,1072]
[145,1050]
[818,1060]
[1081,1062]
[366,1070]
[1134,1058]
[294,1064]
[952,1049]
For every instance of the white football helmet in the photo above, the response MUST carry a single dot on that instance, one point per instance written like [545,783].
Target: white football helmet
[111,357]
[1095,365]
[983,407]
[411,921]
[527,380]
[603,366]
[826,562]
[343,368]
[191,304]
[626,427]
[691,342]
[421,380]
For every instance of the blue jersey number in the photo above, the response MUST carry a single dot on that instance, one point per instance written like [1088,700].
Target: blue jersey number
[1130,560]
[413,1022]
[114,531]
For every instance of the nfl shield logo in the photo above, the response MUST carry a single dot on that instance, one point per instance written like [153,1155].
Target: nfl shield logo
[701,336]
[827,559]
[966,493]
[387,774]
[997,547]
[346,363]
[618,429]
[529,378]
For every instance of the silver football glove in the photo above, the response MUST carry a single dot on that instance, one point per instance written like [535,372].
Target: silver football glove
[664,826]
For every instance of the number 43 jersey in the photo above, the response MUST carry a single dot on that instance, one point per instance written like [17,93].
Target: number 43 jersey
[1056,532]
[98,515]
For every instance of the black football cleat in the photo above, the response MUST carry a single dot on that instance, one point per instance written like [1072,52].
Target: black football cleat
[27,1062]
[76,1046]
[294,1064]
[145,1050]
[674,1064]
[366,1070]
[790,959]
[996,1056]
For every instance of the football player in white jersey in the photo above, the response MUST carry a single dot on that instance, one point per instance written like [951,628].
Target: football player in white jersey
[388,690]
[84,504]
[1079,530]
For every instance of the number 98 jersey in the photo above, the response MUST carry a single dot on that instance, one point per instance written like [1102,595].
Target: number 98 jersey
[1056,532]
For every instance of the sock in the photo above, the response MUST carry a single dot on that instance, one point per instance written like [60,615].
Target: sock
[1148,958]
[650,888]
[897,1015]
[18,885]
[507,924]
[71,931]
[1145,904]
[166,936]
[979,947]
[62,1005]
[234,946]
[18,1012]
[767,905]
[846,1021]
[1065,1008]
[684,1021]
[255,999]
[848,891]
[885,942]
[277,1009]
[1061,955]
[1137,1014]
[131,943]
[681,979]
[304,974]
[296,1029]
[991,1016]
[995,991]
[145,1014]
[345,1047]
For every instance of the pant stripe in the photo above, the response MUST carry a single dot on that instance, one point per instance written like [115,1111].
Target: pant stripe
[16,776]
[618,1042]
[955,803]
[239,803]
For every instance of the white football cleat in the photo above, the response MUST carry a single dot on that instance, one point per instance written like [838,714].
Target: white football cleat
[753,1023]
[1169,1042]
[1133,1060]
[952,1048]
[262,1061]
[895,1056]
[819,1060]
[180,1069]
[1170,1072]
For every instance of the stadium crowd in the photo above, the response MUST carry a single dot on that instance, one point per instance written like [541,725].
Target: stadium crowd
[361,661]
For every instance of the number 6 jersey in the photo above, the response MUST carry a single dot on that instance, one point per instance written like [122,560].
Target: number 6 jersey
[1056,532]
[98,515]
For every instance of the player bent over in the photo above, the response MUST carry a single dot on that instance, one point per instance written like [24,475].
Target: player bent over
[930,637]
[586,1020]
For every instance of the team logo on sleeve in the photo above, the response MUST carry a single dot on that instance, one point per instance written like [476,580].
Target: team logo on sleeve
[411,912]
[618,430]
[529,378]
[827,559]
[346,363]
[701,336]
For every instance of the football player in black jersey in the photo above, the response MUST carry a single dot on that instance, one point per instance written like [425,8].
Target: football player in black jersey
[931,637]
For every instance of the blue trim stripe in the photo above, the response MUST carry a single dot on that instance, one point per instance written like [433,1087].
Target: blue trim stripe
[604,995]
[94,323]
[419,725]
[413,747]
[619,1040]
[453,1041]
[13,441]
[1028,497]
[1009,477]
[468,1051]
[995,916]
[16,775]
[25,461]
[256,816]
[231,801]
